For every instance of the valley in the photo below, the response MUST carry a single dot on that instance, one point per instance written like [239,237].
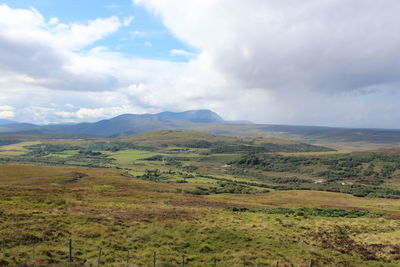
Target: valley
[211,199]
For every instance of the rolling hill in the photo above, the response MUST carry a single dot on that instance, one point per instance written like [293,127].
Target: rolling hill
[210,122]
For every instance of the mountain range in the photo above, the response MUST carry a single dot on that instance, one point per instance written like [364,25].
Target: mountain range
[205,121]
[5,122]
[121,125]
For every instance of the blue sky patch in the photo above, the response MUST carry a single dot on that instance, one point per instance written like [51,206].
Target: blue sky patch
[146,37]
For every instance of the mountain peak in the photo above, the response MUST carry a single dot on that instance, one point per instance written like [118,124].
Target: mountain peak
[196,116]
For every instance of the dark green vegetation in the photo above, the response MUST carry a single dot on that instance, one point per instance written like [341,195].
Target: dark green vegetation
[8,142]
[223,188]
[206,197]
[264,148]
[323,212]
[358,173]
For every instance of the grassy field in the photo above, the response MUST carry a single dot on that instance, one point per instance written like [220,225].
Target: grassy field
[16,149]
[194,199]
[43,207]
[126,157]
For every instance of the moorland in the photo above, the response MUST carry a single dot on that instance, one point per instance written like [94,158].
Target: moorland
[196,199]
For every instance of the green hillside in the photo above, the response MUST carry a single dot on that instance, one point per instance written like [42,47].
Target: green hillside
[204,198]
[217,142]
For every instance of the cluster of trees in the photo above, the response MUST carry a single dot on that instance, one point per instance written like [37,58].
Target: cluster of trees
[5,142]
[358,190]
[246,183]
[116,146]
[269,162]
[42,153]
[341,167]
[202,144]
[46,149]
[360,168]
[289,180]
[155,158]
[158,176]
[223,188]
[268,148]
[92,157]
[249,146]
[323,212]
[152,175]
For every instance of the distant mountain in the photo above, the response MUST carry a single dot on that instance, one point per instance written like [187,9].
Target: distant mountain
[210,122]
[17,127]
[5,122]
[195,116]
[127,124]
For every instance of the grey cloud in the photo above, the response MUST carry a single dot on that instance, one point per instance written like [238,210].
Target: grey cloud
[32,59]
[331,62]
[50,55]
[81,82]
[46,66]
[322,45]
[335,46]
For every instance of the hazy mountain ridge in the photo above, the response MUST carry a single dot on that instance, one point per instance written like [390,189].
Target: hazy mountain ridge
[128,124]
[210,122]
[6,122]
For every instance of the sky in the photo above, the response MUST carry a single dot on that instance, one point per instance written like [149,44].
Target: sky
[315,62]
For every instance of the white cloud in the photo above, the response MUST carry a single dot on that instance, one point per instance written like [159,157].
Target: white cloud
[328,45]
[47,76]
[38,114]
[76,36]
[180,52]
[53,21]
[91,114]
[46,54]
[7,112]
[148,44]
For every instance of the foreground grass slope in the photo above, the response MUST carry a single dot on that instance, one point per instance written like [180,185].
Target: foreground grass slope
[41,208]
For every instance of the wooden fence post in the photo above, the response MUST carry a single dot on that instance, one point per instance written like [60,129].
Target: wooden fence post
[127,260]
[311,263]
[154,259]
[183,260]
[99,259]
[70,250]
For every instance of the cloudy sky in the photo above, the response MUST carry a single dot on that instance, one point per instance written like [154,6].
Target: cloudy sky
[315,62]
